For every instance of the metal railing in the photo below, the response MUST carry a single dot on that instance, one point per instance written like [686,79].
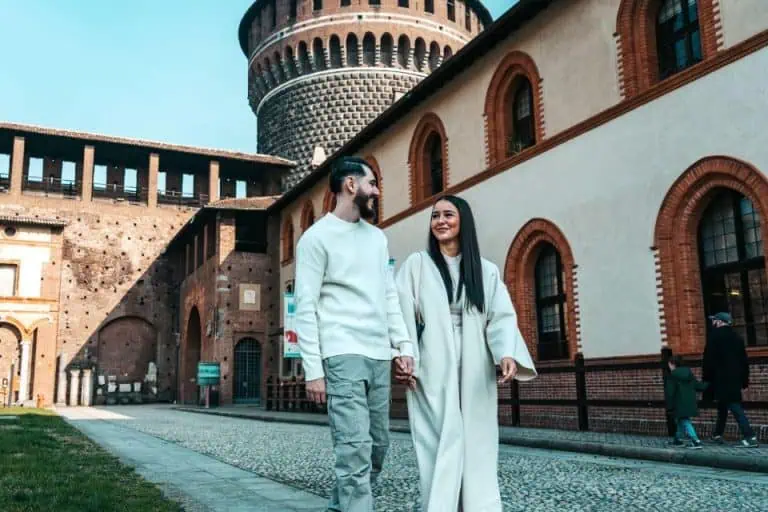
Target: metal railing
[120,192]
[181,199]
[52,186]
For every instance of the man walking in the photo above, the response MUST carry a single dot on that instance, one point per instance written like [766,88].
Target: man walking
[726,369]
[349,324]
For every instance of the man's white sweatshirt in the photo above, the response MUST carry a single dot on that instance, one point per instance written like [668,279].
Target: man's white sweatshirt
[346,300]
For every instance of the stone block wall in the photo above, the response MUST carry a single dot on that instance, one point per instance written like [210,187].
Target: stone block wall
[326,111]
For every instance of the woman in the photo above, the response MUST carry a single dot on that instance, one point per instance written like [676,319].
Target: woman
[469,327]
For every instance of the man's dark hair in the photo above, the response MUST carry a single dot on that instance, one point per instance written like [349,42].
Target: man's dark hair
[344,167]
[677,360]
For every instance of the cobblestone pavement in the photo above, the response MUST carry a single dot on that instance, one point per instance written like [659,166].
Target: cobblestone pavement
[300,456]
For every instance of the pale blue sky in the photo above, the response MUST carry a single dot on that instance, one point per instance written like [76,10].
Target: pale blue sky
[168,70]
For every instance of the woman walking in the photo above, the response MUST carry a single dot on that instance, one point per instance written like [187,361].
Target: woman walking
[457,307]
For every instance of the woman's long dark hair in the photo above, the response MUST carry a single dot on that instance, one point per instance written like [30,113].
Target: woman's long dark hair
[470,267]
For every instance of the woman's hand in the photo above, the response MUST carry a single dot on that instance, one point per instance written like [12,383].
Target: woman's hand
[404,371]
[508,370]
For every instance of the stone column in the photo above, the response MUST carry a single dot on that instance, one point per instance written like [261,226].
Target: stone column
[88,155]
[61,390]
[154,170]
[213,181]
[17,166]
[74,386]
[87,393]
[26,346]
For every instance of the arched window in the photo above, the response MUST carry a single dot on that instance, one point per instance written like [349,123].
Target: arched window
[658,38]
[287,241]
[307,216]
[336,61]
[291,61]
[403,51]
[429,6]
[304,63]
[519,126]
[428,159]
[550,304]
[293,9]
[420,53]
[280,73]
[539,273]
[513,109]
[317,5]
[447,53]
[434,56]
[329,201]
[369,50]
[318,54]
[268,75]
[387,43]
[732,260]
[710,241]
[352,57]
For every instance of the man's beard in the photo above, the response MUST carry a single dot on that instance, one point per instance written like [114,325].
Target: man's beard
[366,212]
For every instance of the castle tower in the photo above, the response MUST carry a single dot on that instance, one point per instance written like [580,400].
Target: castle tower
[320,70]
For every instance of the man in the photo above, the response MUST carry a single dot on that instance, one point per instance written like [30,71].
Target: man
[726,369]
[349,324]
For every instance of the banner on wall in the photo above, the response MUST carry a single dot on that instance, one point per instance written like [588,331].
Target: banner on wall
[290,339]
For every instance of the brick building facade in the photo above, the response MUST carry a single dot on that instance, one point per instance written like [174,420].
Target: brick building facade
[91,307]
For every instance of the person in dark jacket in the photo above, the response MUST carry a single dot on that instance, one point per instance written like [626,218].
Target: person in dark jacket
[726,370]
[680,393]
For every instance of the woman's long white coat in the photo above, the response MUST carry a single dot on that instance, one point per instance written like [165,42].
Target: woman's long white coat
[453,411]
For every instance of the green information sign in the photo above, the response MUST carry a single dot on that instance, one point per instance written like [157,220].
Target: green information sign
[208,374]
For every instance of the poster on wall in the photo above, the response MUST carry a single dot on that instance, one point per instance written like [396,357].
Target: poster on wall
[290,339]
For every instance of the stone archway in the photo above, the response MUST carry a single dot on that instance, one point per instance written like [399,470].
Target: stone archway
[126,347]
[192,353]
[10,355]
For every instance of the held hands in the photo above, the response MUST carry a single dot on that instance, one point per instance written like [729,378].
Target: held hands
[508,370]
[316,390]
[404,371]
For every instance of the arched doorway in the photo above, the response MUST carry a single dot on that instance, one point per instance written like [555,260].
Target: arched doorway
[126,347]
[189,389]
[247,371]
[10,355]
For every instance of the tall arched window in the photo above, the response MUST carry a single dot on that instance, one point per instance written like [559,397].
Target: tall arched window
[304,63]
[279,71]
[513,108]
[550,304]
[733,277]
[369,50]
[658,38]
[387,44]
[678,40]
[434,56]
[318,53]
[290,60]
[520,126]
[287,241]
[336,61]
[427,158]
[420,53]
[352,57]
[307,216]
[403,51]
[433,156]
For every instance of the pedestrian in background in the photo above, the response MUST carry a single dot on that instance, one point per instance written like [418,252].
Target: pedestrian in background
[726,369]
[680,394]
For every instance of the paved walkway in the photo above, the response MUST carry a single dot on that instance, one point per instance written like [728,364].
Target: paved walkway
[200,483]
[652,448]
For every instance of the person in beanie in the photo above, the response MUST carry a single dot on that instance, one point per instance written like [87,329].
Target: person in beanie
[726,370]
[680,394]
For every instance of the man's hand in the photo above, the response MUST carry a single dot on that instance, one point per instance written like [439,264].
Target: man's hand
[404,371]
[316,390]
[508,370]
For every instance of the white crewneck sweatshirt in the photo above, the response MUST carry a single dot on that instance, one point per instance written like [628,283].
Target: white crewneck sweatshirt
[346,300]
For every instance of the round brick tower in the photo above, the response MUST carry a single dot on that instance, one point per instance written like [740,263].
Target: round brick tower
[320,70]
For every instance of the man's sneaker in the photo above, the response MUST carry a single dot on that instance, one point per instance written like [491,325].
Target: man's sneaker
[695,445]
[749,443]
[718,440]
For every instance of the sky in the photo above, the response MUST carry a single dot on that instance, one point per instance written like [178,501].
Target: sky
[166,70]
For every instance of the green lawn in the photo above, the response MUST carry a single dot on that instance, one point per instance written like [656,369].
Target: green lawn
[47,465]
